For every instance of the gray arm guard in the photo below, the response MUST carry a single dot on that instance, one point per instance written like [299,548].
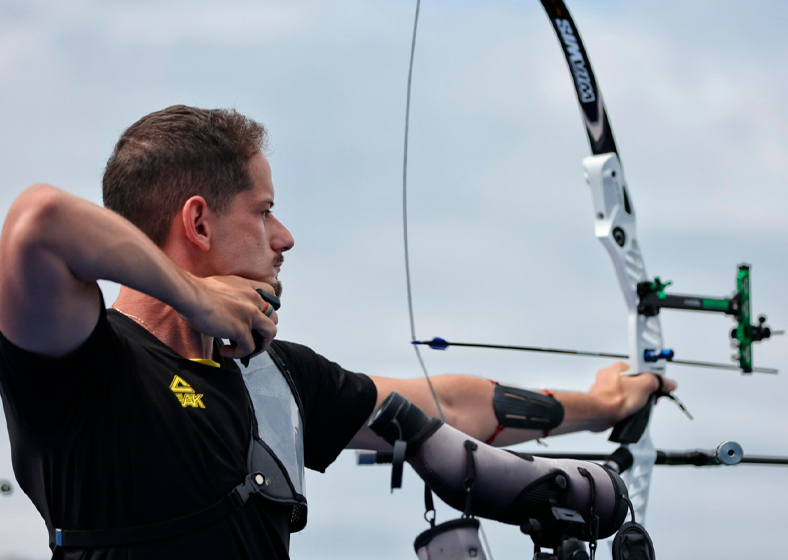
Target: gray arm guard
[507,488]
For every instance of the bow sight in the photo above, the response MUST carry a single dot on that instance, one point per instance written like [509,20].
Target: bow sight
[653,298]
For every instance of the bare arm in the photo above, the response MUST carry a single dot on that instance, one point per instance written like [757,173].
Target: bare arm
[467,404]
[55,246]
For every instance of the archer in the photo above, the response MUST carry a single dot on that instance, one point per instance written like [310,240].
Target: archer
[132,427]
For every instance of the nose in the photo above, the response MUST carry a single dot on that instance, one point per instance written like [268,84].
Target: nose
[281,240]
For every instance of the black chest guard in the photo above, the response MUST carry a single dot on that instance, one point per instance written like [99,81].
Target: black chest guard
[275,466]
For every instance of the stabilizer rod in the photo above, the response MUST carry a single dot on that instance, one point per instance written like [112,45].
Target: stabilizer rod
[724,454]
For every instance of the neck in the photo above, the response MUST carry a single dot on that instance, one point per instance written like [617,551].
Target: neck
[165,323]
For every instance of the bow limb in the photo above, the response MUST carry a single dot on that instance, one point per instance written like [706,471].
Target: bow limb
[615,227]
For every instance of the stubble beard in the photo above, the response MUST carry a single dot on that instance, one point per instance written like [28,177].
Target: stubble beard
[276,284]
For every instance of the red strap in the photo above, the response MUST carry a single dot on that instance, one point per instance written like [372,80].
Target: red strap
[499,429]
[549,393]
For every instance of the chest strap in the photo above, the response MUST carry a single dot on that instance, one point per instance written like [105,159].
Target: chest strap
[122,536]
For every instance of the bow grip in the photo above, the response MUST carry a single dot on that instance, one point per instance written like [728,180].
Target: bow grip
[631,428]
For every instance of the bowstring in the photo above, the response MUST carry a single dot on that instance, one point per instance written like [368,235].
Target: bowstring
[405,238]
[405,218]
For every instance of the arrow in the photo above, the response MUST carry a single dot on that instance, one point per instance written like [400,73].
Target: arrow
[438,343]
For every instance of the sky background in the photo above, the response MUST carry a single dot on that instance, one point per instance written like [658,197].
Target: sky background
[501,221]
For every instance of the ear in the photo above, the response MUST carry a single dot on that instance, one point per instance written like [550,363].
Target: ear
[198,222]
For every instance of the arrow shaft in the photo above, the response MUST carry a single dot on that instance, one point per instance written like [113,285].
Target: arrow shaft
[584,353]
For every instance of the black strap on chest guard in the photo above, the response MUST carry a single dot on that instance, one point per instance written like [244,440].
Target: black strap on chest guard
[268,478]
[518,408]
[123,536]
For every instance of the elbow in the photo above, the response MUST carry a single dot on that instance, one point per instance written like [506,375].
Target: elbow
[452,417]
[32,215]
[468,422]
[39,202]
[448,408]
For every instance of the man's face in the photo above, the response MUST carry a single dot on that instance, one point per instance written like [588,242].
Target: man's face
[251,241]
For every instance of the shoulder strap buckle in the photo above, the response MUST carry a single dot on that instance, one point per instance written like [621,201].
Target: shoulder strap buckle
[251,485]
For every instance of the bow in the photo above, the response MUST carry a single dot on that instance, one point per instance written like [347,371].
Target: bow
[615,227]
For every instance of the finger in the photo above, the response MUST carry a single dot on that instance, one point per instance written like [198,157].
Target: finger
[258,347]
[269,311]
[262,332]
[243,346]
[234,352]
[612,372]
[665,386]
[656,383]
[266,330]
[262,345]
[267,294]
[668,385]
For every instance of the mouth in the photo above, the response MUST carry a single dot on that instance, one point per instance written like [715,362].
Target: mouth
[278,262]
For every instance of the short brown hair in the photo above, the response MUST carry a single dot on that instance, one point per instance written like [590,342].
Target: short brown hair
[169,156]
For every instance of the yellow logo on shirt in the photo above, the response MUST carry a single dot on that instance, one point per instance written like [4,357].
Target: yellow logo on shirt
[186,395]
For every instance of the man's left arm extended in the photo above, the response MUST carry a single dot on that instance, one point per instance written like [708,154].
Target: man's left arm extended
[467,403]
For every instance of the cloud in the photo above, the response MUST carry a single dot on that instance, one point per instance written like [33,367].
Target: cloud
[500,218]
